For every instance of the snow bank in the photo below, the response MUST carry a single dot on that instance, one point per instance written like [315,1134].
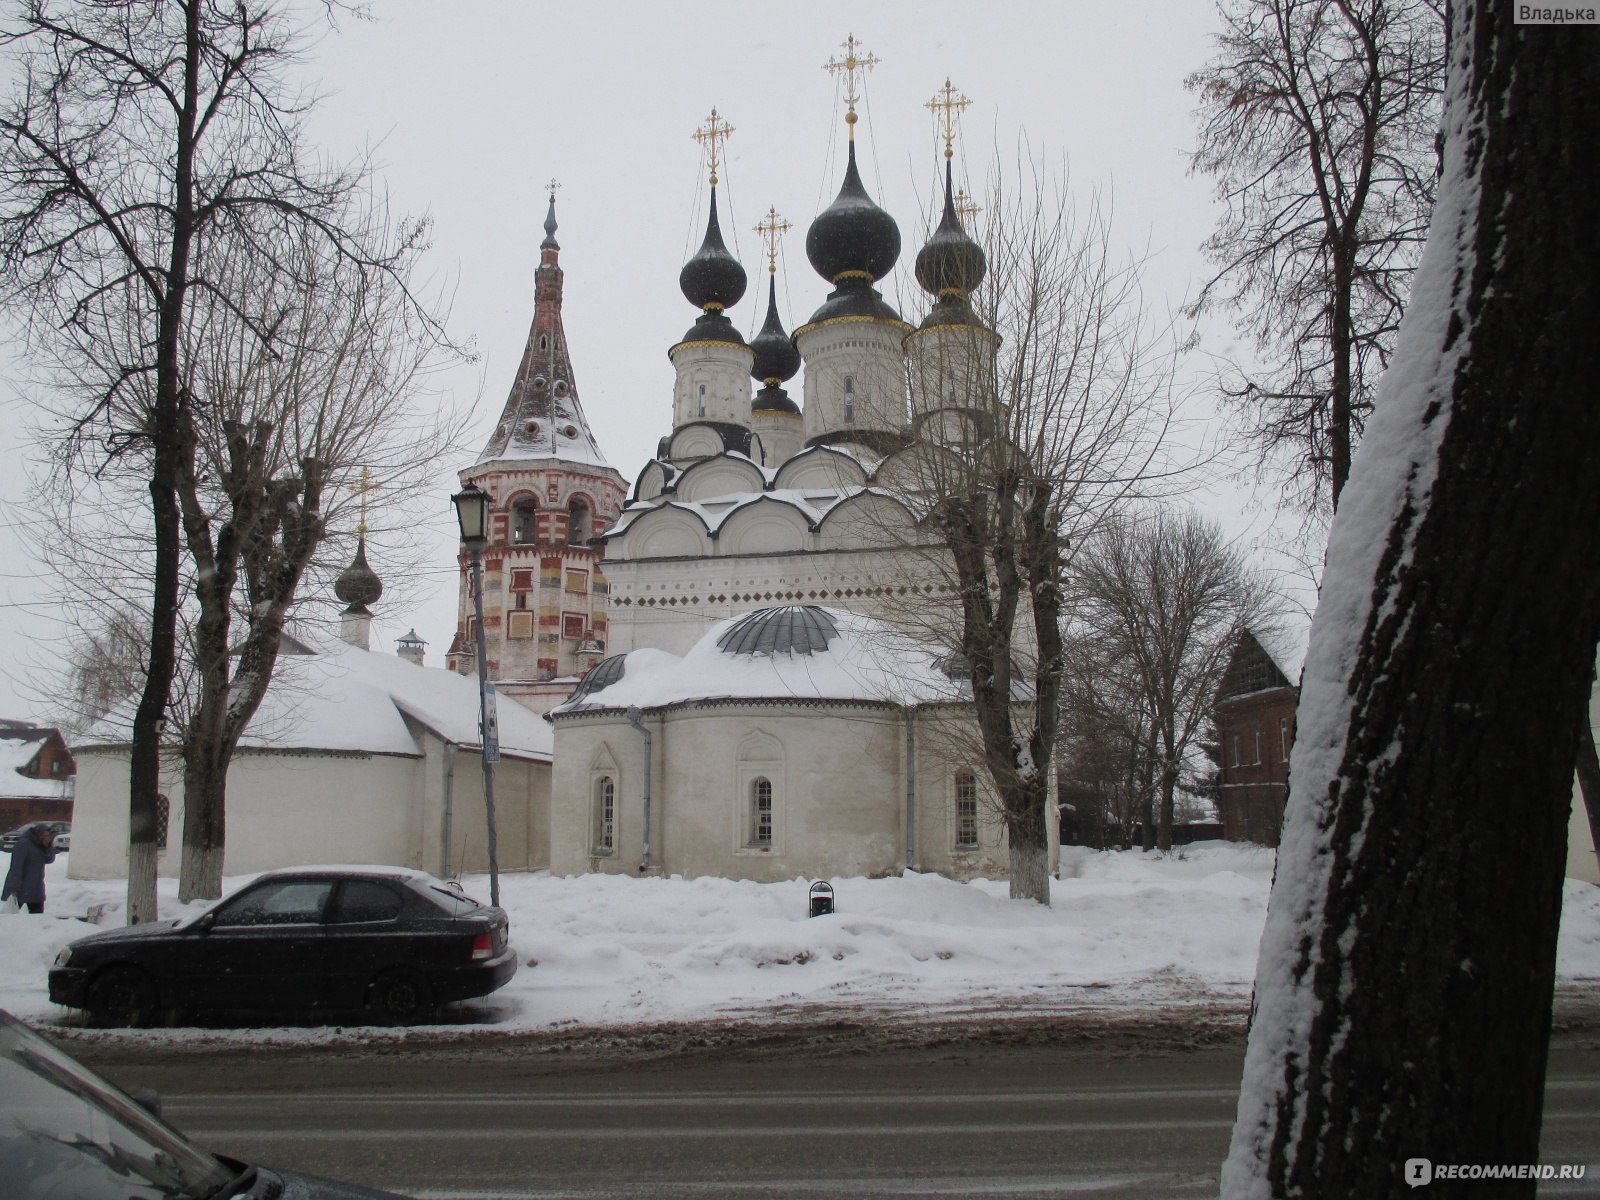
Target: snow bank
[1125,929]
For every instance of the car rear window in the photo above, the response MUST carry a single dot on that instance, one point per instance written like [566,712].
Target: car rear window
[364,900]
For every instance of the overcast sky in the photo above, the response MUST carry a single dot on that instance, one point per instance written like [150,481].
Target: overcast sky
[471,107]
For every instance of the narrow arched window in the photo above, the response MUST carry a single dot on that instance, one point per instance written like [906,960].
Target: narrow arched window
[578,523]
[702,411]
[544,342]
[966,810]
[524,514]
[605,814]
[761,811]
[849,398]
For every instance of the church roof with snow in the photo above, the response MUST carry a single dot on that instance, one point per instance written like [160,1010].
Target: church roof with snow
[797,652]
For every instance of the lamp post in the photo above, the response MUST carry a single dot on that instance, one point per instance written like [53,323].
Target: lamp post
[472,514]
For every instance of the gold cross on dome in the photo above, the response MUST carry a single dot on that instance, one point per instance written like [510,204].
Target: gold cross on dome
[946,106]
[711,135]
[361,489]
[553,187]
[772,228]
[965,208]
[850,64]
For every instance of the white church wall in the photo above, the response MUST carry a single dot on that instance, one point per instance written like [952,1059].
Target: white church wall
[284,809]
[837,801]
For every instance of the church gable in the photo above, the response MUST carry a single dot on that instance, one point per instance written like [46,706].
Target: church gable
[721,476]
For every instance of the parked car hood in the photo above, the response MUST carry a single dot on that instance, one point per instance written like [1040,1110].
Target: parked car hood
[133,933]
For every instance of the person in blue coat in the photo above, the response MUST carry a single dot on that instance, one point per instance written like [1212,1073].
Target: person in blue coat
[25,879]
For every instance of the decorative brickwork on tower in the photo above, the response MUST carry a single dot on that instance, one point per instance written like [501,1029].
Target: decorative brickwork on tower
[551,493]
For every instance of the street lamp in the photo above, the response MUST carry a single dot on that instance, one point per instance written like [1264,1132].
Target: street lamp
[472,514]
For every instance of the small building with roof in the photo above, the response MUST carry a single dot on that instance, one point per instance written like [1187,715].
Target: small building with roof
[36,774]
[1254,711]
[354,756]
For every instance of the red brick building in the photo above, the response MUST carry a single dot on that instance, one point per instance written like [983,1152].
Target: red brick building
[36,775]
[1255,725]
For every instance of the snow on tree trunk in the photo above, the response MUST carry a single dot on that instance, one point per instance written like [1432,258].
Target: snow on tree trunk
[1403,992]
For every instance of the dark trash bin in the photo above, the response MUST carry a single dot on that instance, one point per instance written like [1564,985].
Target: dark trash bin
[821,898]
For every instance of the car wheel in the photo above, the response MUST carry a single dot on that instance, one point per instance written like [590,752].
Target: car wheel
[123,995]
[399,998]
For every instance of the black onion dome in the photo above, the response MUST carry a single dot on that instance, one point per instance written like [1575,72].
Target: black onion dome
[550,242]
[713,278]
[776,359]
[951,261]
[853,235]
[358,585]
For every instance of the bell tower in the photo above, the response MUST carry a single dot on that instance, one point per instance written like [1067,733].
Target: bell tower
[552,492]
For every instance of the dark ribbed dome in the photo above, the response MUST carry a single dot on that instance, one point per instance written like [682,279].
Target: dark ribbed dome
[951,261]
[713,278]
[358,585]
[853,234]
[776,359]
[793,629]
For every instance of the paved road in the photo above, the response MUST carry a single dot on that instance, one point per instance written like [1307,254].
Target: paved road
[994,1122]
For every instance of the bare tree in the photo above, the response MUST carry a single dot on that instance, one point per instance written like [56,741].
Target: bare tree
[139,132]
[1160,597]
[1318,120]
[1038,407]
[1403,997]
[278,425]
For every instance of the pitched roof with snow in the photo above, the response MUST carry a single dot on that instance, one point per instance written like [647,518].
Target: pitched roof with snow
[342,698]
[19,746]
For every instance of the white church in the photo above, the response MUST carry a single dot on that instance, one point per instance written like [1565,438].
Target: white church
[763,693]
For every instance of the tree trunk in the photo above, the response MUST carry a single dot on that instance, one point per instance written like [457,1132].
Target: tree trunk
[1029,839]
[204,826]
[1169,785]
[1404,988]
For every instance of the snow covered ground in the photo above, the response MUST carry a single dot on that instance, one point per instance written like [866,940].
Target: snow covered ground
[1125,930]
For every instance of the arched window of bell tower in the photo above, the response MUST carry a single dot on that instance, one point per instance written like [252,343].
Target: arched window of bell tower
[524,514]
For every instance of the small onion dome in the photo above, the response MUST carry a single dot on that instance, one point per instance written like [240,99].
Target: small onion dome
[951,262]
[550,242]
[776,359]
[853,236]
[713,279]
[358,585]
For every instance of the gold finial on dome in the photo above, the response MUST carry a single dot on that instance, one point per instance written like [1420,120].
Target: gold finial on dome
[852,62]
[711,135]
[946,106]
[772,228]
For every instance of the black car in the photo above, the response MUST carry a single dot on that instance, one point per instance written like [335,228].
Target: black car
[392,943]
[65,1132]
